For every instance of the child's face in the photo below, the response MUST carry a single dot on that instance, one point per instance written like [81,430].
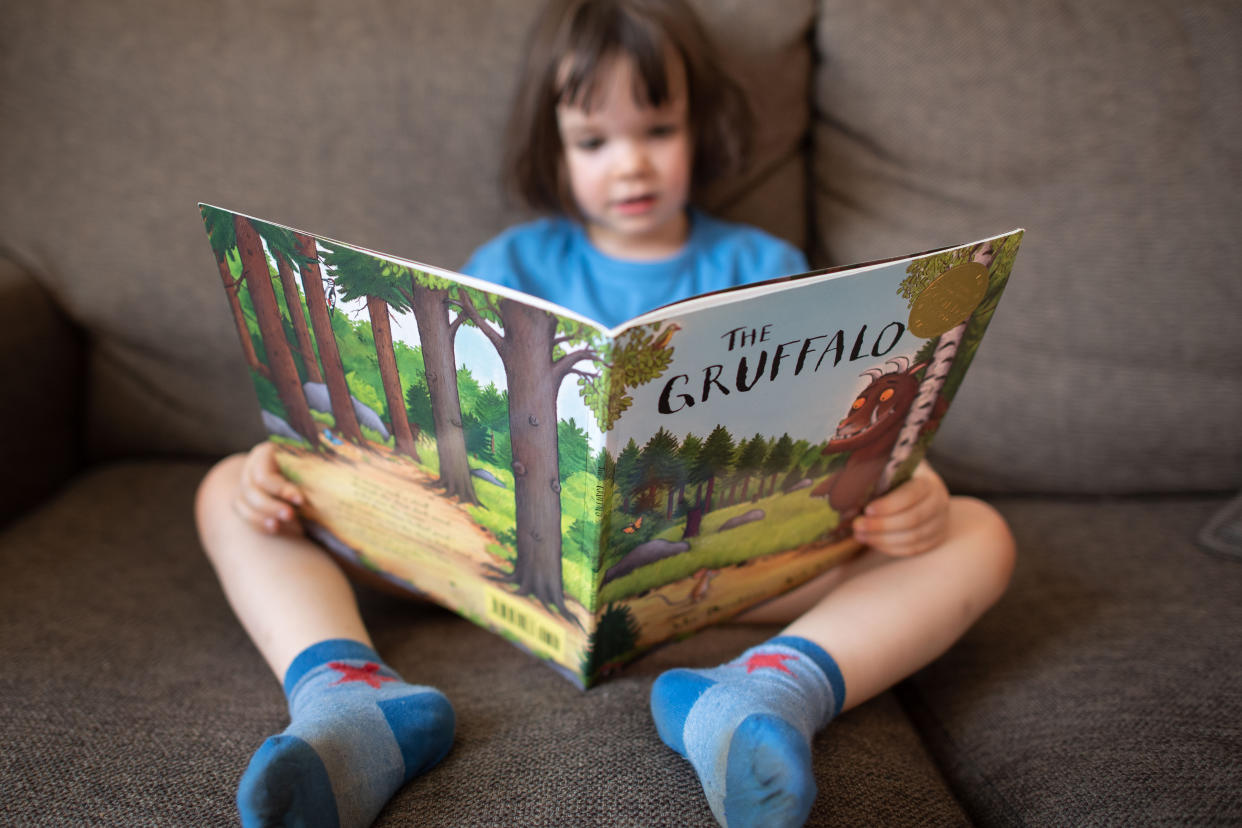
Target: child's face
[629,164]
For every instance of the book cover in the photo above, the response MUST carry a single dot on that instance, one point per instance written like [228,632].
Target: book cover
[587,492]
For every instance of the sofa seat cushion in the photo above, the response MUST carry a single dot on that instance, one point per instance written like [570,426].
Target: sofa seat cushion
[1105,686]
[134,698]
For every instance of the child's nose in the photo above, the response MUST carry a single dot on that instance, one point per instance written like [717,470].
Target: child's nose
[632,158]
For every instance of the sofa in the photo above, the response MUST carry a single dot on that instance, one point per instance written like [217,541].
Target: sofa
[1102,417]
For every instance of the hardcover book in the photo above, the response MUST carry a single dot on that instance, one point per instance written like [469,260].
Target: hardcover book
[589,492]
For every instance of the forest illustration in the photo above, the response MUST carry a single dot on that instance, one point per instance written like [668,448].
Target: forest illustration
[482,497]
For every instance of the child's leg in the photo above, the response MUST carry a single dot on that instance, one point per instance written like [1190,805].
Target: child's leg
[746,726]
[357,732]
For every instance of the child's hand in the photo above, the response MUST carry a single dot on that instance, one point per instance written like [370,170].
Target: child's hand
[910,519]
[266,498]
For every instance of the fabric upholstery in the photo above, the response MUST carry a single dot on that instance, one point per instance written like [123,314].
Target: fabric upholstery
[1112,133]
[134,697]
[40,361]
[1104,687]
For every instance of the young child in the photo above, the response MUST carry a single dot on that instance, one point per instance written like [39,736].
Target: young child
[623,114]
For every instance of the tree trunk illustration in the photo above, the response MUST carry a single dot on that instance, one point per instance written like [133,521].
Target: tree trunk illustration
[233,287]
[533,383]
[694,521]
[321,322]
[294,303]
[381,329]
[267,313]
[436,333]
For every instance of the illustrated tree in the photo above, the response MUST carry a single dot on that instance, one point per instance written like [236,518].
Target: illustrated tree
[627,475]
[223,243]
[616,635]
[779,459]
[750,457]
[573,447]
[227,231]
[659,470]
[715,460]
[688,453]
[293,303]
[429,296]
[362,276]
[538,351]
[329,355]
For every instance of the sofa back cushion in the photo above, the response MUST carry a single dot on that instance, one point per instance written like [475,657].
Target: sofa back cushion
[1113,133]
[374,122]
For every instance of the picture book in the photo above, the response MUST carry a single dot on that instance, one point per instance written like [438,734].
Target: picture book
[589,492]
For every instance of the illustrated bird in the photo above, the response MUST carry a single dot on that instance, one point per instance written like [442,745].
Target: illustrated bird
[662,339]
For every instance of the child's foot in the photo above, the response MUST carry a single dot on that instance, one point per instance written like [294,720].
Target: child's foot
[746,727]
[358,733]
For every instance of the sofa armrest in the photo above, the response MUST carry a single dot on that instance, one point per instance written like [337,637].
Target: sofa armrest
[41,377]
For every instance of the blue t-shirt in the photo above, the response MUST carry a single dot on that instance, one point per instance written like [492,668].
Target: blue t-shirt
[552,258]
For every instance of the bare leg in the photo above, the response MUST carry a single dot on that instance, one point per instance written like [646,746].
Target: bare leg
[287,591]
[882,618]
[747,726]
[357,731]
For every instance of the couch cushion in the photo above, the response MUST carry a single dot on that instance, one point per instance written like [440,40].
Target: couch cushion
[133,697]
[40,356]
[377,123]
[1104,687]
[1112,132]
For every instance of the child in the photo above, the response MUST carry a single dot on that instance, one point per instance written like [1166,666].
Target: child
[623,114]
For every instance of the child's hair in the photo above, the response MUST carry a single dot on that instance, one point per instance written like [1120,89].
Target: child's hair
[569,43]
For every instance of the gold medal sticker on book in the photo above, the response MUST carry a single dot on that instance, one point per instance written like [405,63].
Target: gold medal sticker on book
[949,300]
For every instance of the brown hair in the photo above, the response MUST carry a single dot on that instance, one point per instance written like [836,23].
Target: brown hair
[570,41]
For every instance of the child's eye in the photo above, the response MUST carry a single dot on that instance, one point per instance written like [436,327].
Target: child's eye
[589,144]
[662,130]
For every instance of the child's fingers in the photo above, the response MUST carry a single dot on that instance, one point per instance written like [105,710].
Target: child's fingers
[264,474]
[899,499]
[916,512]
[261,503]
[259,520]
[265,503]
[905,542]
[280,521]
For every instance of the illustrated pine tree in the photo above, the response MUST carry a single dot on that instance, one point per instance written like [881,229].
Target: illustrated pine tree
[346,419]
[229,233]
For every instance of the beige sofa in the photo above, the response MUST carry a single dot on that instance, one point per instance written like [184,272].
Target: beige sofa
[1101,417]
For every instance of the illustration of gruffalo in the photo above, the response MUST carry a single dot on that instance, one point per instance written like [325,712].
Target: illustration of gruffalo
[869,432]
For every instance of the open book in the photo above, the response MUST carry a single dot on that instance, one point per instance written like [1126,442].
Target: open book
[589,492]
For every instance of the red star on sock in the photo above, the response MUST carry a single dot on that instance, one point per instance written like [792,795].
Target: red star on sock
[368,672]
[772,661]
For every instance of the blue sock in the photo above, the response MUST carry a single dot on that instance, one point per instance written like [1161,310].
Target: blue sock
[747,726]
[358,733]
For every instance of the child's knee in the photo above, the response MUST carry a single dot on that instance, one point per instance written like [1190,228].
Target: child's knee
[213,499]
[990,537]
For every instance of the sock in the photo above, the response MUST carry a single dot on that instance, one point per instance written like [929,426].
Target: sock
[358,733]
[747,726]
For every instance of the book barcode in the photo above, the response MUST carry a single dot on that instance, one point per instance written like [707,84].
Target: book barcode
[531,629]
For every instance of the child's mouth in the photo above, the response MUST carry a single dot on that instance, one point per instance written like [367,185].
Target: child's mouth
[636,204]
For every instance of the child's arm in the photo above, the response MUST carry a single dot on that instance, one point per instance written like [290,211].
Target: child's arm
[265,497]
[909,520]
